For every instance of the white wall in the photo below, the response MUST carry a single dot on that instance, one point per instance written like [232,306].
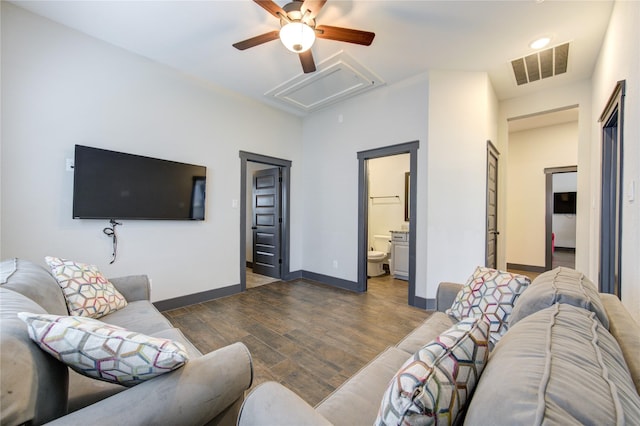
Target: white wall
[530,152]
[332,138]
[450,196]
[387,180]
[563,226]
[60,88]
[462,117]
[620,60]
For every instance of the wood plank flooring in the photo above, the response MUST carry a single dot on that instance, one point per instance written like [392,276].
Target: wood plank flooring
[559,258]
[308,336]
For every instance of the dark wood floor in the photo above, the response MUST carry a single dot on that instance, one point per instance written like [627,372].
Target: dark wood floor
[566,258]
[307,336]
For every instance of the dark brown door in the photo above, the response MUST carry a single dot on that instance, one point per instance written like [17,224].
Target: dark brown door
[492,206]
[267,222]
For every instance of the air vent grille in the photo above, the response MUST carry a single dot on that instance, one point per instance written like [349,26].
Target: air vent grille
[543,64]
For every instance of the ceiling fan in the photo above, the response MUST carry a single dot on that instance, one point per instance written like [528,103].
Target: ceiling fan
[298,30]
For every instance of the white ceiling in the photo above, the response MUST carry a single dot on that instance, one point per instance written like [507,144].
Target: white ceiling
[411,37]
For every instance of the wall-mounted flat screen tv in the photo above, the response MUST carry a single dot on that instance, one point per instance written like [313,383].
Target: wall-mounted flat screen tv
[115,185]
[564,203]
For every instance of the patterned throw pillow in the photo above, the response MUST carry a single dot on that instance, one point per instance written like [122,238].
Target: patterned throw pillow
[87,292]
[435,384]
[104,351]
[489,294]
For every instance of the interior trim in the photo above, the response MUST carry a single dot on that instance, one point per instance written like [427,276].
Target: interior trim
[192,299]
[285,165]
[528,268]
[205,296]
[548,216]
[410,148]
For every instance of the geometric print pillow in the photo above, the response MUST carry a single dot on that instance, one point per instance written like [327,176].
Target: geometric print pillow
[103,351]
[434,386]
[87,292]
[489,294]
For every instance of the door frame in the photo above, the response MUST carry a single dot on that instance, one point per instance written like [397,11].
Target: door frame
[410,148]
[285,166]
[548,215]
[492,151]
[611,192]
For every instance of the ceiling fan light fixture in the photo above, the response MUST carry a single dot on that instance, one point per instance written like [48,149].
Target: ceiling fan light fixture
[297,36]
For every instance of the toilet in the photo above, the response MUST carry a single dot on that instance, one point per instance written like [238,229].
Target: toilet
[377,257]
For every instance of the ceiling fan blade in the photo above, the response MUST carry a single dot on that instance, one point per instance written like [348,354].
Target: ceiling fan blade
[306,59]
[254,41]
[345,34]
[271,7]
[313,6]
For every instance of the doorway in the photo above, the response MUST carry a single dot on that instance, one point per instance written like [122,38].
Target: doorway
[612,120]
[560,216]
[491,250]
[388,222]
[410,148]
[264,216]
[536,143]
[266,221]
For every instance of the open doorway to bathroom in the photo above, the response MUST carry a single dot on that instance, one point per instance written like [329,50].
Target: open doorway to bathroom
[264,219]
[388,221]
[386,194]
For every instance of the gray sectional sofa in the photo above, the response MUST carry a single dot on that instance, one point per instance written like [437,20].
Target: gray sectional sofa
[570,356]
[36,388]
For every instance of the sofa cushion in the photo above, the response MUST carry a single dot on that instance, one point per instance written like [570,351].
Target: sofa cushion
[558,366]
[104,351]
[560,285]
[357,400]
[489,294]
[426,332]
[84,391]
[140,316]
[434,385]
[87,292]
[33,389]
[35,282]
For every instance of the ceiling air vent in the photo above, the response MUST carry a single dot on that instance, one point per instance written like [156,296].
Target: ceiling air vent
[543,64]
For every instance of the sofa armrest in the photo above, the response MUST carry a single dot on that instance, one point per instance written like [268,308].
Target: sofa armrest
[446,294]
[626,331]
[203,389]
[273,404]
[133,287]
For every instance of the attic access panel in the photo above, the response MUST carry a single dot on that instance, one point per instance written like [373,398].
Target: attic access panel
[337,78]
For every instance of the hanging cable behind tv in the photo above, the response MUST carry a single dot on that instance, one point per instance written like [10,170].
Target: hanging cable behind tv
[110,231]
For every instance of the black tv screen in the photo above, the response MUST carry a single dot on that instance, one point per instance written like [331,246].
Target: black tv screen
[114,185]
[564,203]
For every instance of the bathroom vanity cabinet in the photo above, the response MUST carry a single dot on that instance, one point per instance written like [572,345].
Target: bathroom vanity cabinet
[400,254]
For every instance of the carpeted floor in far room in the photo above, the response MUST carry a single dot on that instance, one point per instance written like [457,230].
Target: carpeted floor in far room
[308,336]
